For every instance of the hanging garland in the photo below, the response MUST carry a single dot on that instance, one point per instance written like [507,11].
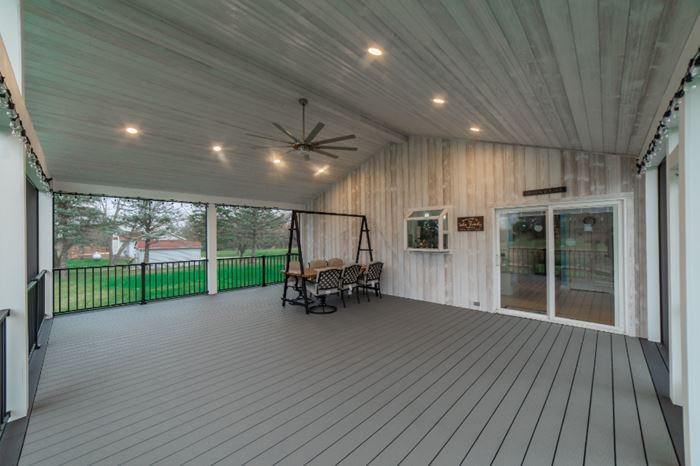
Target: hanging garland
[19,131]
[689,81]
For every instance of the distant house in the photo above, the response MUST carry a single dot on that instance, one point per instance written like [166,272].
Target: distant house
[169,250]
[129,250]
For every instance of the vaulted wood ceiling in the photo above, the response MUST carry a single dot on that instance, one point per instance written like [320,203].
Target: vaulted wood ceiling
[581,74]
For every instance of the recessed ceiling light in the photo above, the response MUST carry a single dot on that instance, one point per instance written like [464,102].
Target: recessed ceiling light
[474,129]
[276,161]
[438,100]
[322,170]
[131,130]
[216,148]
[376,51]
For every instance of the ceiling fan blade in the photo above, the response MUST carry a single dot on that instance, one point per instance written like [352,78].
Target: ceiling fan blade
[265,137]
[339,138]
[335,147]
[314,132]
[327,154]
[279,127]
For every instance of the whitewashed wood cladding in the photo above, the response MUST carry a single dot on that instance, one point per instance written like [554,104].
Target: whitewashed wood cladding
[473,178]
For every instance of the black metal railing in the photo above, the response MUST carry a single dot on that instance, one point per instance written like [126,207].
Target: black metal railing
[4,413]
[84,288]
[243,272]
[36,307]
[575,263]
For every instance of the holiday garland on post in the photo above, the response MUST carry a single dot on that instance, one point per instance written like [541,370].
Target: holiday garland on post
[18,130]
[690,80]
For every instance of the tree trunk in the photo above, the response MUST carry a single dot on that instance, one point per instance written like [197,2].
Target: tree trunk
[146,250]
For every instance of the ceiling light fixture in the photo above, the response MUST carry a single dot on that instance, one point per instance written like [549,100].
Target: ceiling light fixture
[132,130]
[438,100]
[276,161]
[376,51]
[322,170]
[474,129]
[216,148]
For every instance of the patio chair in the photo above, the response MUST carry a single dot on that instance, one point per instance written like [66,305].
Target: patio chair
[335,262]
[348,281]
[318,264]
[325,283]
[371,279]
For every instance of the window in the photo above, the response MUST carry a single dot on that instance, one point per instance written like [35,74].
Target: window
[427,230]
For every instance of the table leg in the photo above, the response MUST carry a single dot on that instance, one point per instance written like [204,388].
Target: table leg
[303,290]
[284,293]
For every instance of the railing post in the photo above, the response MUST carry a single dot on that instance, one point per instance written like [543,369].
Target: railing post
[263,271]
[143,283]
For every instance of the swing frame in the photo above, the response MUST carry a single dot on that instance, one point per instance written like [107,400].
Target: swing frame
[295,236]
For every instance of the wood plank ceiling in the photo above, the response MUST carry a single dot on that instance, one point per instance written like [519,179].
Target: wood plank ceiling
[579,74]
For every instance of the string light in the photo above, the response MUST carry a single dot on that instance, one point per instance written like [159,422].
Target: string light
[689,81]
[18,130]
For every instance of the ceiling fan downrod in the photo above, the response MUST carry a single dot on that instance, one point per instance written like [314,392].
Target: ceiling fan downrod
[303,101]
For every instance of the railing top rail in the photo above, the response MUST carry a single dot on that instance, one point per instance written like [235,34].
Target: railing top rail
[254,257]
[33,282]
[174,262]
[135,264]
[4,313]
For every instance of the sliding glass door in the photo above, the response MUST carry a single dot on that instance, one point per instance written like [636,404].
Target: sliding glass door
[585,264]
[560,262]
[523,258]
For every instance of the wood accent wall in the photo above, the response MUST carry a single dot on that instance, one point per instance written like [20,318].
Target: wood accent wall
[473,178]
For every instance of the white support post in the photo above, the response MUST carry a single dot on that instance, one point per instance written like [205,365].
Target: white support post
[211,249]
[46,248]
[13,272]
[651,198]
[675,335]
[689,195]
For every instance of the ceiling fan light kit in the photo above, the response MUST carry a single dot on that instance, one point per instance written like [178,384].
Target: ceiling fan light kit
[307,143]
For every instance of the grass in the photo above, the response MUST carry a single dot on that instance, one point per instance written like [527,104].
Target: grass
[88,288]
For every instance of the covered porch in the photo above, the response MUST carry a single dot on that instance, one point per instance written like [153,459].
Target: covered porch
[505,249]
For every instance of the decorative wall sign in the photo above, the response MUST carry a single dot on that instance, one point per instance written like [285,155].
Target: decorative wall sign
[537,192]
[470,223]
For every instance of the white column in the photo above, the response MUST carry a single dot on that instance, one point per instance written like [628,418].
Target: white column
[211,249]
[46,247]
[13,272]
[675,335]
[689,195]
[11,33]
[651,197]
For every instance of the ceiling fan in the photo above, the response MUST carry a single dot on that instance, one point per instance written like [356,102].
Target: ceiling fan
[306,143]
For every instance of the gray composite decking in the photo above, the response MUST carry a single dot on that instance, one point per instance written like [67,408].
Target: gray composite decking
[234,379]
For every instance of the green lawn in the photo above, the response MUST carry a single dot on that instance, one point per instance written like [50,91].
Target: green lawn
[94,287]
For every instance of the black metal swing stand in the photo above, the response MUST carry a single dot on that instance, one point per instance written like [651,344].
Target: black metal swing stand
[294,236]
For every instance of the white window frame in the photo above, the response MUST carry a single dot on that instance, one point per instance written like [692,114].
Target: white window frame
[444,210]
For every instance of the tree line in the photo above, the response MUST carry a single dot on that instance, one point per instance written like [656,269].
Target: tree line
[91,221]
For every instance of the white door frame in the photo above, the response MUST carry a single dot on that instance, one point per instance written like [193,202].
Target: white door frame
[621,205]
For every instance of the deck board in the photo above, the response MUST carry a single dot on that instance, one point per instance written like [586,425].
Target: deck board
[235,379]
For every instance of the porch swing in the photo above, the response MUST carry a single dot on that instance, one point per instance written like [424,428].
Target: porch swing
[304,275]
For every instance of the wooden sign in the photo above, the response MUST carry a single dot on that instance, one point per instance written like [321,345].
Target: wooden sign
[470,223]
[538,192]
